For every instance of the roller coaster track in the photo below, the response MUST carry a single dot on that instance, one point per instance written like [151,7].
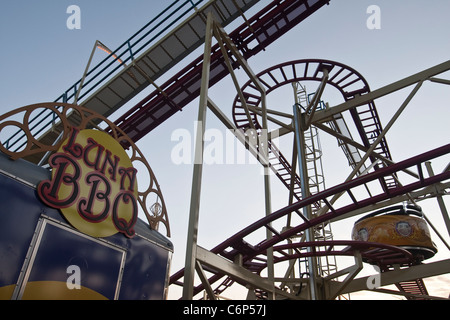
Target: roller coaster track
[250,38]
[124,74]
[345,79]
[253,257]
[136,64]
[112,84]
[414,287]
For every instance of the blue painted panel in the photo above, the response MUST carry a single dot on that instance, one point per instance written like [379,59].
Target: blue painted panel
[147,254]
[19,214]
[145,273]
[59,248]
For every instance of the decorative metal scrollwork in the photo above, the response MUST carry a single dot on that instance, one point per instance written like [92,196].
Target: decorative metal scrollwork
[36,131]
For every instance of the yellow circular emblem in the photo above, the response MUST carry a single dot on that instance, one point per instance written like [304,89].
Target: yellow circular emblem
[93,184]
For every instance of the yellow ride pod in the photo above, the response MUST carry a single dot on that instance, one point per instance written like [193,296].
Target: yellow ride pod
[401,226]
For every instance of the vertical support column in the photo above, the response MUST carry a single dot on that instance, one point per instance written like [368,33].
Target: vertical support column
[191,243]
[300,142]
[263,138]
[264,147]
[440,200]
[77,94]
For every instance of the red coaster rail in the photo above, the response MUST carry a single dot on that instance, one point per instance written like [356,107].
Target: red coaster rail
[250,38]
[253,256]
[346,80]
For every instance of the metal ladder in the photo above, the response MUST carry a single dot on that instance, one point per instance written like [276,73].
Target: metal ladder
[316,183]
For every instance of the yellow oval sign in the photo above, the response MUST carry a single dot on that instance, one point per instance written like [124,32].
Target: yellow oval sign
[93,184]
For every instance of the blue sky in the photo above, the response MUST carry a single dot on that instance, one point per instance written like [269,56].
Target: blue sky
[41,57]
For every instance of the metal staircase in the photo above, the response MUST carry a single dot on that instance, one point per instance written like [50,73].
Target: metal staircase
[283,170]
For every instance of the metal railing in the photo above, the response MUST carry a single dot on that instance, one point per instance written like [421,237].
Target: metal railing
[109,66]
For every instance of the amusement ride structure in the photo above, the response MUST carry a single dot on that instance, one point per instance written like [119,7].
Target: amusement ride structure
[296,256]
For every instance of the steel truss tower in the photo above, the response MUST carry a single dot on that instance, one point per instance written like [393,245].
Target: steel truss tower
[315,180]
[236,260]
[144,58]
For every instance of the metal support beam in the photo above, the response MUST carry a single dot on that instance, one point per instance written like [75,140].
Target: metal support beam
[191,247]
[221,37]
[351,272]
[441,81]
[427,192]
[396,276]
[204,280]
[377,141]
[238,273]
[263,145]
[85,72]
[440,199]
[311,109]
[262,152]
[235,131]
[300,143]
[359,146]
[324,115]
